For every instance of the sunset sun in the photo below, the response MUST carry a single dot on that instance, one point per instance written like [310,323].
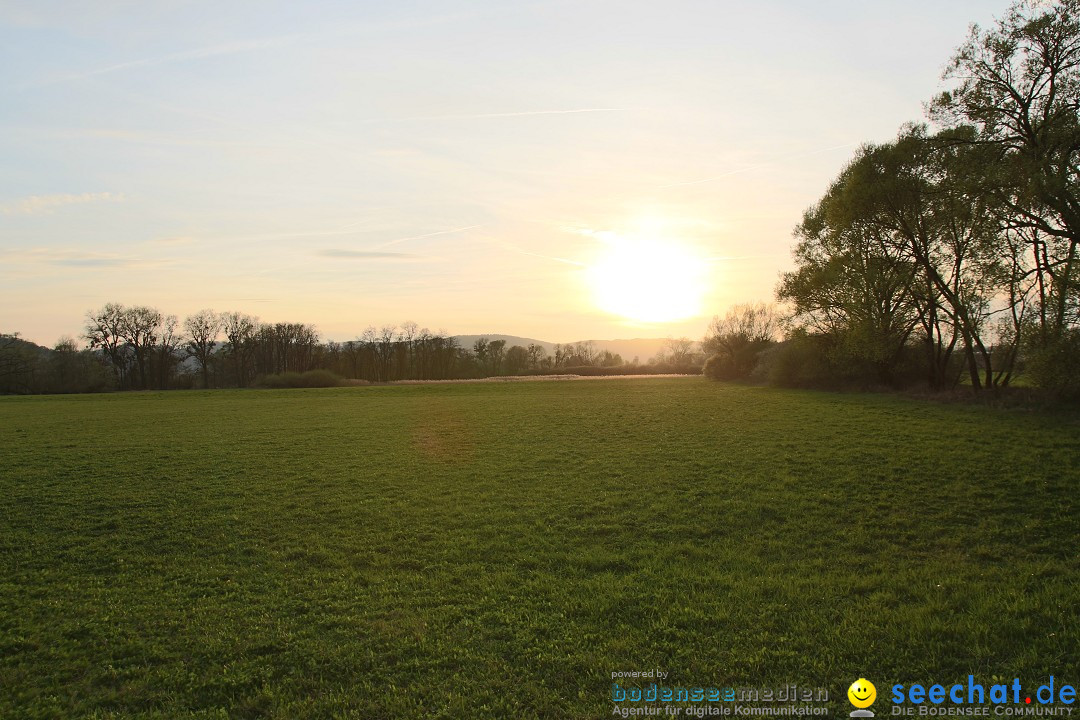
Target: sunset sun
[648,280]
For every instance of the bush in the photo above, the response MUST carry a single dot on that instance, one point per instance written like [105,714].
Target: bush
[719,367]
[739,365]
[801,361]
[601,371]
[810,360]
[320,379]
[1055,367]
[310,379]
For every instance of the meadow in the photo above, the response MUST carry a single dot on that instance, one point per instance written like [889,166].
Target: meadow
[498,550]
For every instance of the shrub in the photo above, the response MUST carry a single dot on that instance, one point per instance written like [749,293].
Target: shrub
[812,360]
[719,367]
[319,378]
[1055,367]
[310,379]
[657,369]
[739,365]
[803,360]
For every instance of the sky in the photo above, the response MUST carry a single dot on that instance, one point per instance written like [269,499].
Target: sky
[543,169]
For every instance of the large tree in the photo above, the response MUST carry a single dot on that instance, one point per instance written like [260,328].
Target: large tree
[240,333]
[1017,84]
[167,355]
[15,366]
[105,332]
[902,241]
[140,327]
[202,330]
[853,285]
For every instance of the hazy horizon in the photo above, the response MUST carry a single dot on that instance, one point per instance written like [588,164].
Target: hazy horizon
[473,169]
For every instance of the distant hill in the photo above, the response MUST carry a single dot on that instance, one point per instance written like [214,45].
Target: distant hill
[466,341]
[12,342]
[644,349]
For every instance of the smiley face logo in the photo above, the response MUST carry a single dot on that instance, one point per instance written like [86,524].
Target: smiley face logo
[862,693]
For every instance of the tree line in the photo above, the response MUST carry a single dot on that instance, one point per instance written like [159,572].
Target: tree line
[948,256]
[141,348]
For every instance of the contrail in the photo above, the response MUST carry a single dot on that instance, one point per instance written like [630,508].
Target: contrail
[420,237]
[756,165]
[545,257]
[519,251]
[232,48]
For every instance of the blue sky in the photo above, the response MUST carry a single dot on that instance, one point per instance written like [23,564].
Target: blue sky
[355,164]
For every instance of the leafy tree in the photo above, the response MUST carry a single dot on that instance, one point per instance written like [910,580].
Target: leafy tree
[517,359]
[480,350]
[1018,85]
[609,359]
[496,352]
[902,241]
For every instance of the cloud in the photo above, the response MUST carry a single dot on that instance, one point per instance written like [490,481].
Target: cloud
[37,204]
[90,262]
[71,258]
[173,240]
[515,249]
[137,137]
[368,254]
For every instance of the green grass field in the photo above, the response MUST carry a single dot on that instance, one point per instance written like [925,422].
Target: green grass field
[497,550]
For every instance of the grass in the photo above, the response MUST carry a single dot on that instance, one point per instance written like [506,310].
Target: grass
[499,549]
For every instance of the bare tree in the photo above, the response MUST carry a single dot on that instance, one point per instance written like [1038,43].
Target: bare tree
[166,351]
[105,332]
[445,354]
[585,353]
[369,341]
[240,331]
[140,326]
[407,336]
[15,369]
[679,350]
[385,351]
[202,330]
[63,362]
[735,340]
[353,350]
[480,349]
[537,355]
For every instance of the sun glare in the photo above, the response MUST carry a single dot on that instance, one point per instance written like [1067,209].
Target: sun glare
[648,280]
